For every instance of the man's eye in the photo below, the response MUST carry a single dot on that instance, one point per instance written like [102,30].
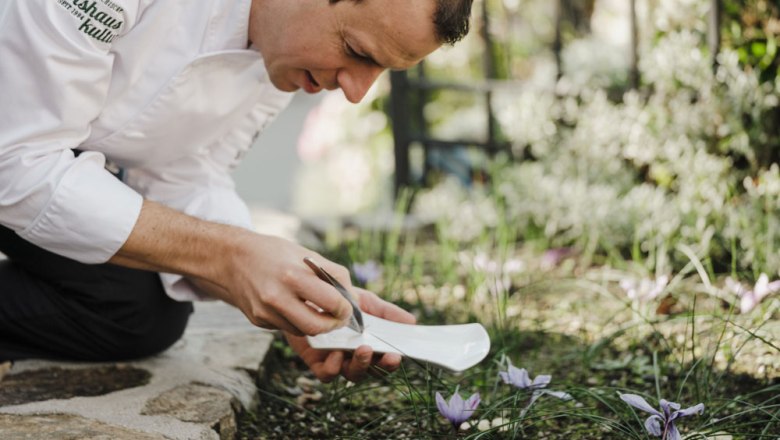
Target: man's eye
[351,52]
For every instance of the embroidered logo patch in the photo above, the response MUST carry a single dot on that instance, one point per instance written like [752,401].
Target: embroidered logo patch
[100,19]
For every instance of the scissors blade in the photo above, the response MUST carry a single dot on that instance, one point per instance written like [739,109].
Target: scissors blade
[356,322]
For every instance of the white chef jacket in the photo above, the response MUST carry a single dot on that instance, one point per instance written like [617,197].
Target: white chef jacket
[166,89]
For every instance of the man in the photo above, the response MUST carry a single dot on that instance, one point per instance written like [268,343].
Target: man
[103,266]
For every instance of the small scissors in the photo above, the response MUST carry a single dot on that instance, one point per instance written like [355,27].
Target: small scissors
[356,323]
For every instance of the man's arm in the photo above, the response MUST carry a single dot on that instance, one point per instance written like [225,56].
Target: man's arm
[263,276]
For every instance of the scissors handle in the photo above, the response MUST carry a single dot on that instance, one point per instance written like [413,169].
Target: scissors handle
[356,323]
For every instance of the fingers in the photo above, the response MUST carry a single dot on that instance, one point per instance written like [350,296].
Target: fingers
[299,302]
[373,305]
[311,288]
[309,321]
[326,365]
[356,368]
[330,368]
[359,365]
[389,362]
[275,322]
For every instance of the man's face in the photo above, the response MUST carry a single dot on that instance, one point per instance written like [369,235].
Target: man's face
[314,45]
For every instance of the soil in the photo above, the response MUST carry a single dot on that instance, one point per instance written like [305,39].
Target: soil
[295,406]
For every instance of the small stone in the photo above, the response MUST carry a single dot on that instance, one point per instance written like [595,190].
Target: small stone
[306,384]
[305,398]
[294,391]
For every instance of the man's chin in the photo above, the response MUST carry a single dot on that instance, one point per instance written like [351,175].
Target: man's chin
[282,85]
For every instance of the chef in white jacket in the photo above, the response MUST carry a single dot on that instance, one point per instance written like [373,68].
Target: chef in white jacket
[119,123]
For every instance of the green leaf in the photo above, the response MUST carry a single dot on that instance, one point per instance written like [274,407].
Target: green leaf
[771,53]
[743,55]
[758,49]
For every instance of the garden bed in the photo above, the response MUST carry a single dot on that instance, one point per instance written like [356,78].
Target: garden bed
[592,341]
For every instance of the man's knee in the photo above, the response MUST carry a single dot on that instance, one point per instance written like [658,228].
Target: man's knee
[152,333]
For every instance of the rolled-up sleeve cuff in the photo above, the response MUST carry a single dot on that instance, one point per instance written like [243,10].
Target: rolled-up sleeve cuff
[90,215]
[179,288]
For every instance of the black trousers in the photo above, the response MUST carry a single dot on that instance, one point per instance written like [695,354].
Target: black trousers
[57,308]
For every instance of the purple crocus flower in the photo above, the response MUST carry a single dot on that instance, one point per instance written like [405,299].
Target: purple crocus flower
[553,257]
[749,299]
[661,423]
[367,272]
[519,378]
[457,410]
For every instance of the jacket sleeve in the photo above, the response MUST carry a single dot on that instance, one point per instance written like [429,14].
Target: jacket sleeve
[54,76]
[201,185]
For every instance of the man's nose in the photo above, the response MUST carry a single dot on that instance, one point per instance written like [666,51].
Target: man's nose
[356,80]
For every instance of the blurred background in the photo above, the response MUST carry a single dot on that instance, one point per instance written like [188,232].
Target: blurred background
[619,127]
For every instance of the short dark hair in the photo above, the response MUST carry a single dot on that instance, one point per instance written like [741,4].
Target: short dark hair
[451,19]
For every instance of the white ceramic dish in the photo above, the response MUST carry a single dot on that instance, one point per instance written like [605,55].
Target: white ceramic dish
[453,347]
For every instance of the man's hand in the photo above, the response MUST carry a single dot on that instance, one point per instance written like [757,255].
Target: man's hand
[327,365]
[264,276]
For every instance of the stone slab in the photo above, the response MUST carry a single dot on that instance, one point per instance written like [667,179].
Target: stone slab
[198,403]
[218,352]
[65,427]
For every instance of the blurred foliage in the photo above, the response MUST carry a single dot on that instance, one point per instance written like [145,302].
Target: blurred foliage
[682,160]
[752,29]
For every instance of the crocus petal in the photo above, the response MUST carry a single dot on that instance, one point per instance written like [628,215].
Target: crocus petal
[774,286]
[748,301]
[668,408]
[442,405]
[761,285]
[541,381]
[653,425]
[518,377]
[694,410]
[472,403]
[734,286]
[639,402]
[672,433]
[456,404]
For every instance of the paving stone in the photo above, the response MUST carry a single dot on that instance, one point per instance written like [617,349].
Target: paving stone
[64,427]
[220,352]
[59,383]
[198,403]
